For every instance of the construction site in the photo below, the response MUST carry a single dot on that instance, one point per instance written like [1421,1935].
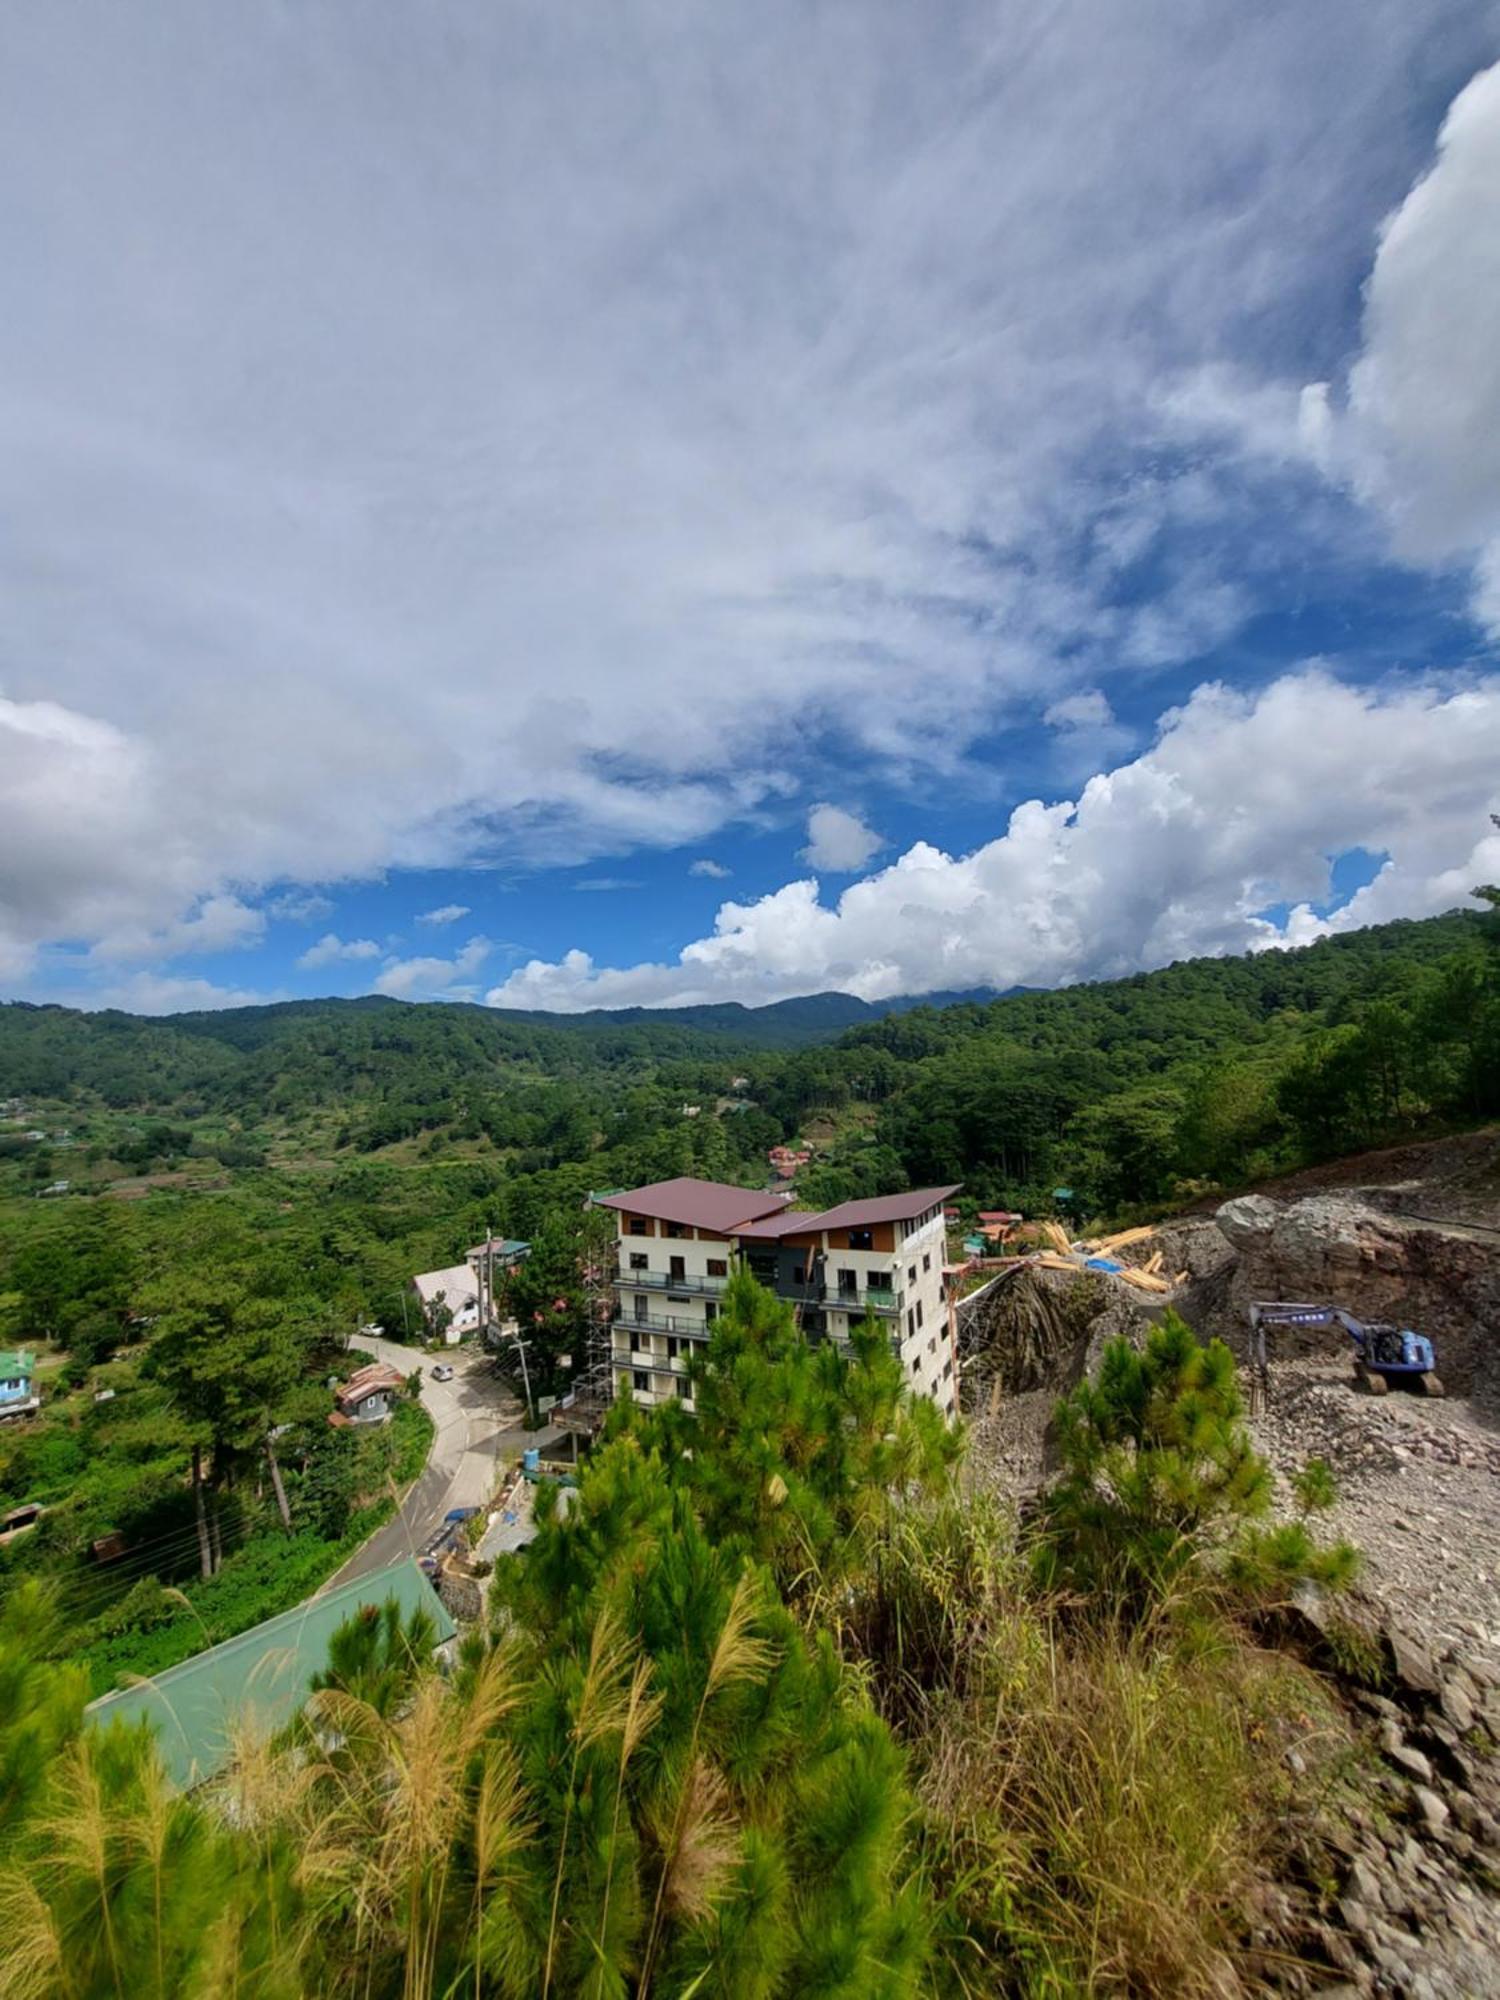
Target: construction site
[1293,1278]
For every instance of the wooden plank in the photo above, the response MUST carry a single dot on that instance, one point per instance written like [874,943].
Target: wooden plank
[1108,1244]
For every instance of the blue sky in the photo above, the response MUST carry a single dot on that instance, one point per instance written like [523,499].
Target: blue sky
[597,506]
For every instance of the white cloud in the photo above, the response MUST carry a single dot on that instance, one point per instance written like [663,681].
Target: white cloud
[434,978]
[1088,709]
[1424,396]
[817,341]
[166,993]
[299,907]
[714,870]
[447,913]
[332,950]
[219,923]
[606,885]
[1240,804]
[838,841]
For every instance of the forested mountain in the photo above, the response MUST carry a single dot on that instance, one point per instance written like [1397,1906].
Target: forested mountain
[1122,1090]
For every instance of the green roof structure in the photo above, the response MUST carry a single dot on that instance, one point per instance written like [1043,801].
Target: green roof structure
[260,1678]
[17,1364]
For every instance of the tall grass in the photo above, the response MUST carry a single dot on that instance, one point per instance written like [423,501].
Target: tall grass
[1099,1795]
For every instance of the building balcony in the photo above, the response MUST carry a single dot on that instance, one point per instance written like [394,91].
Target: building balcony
[829,1298]
[687,1329]
[653,1364]
[661,1281]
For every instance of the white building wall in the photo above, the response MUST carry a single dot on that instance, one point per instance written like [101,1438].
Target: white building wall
[662,1322]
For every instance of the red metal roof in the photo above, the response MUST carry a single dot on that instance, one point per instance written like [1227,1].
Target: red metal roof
[696,1204]
[849,1214]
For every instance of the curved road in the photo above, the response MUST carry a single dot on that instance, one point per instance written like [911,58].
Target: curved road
[477,1421]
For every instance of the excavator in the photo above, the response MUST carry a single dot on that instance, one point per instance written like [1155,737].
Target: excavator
[1385,1356]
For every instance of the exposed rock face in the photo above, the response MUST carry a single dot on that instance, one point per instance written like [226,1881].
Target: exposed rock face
[1441,1279]
[1416,1912]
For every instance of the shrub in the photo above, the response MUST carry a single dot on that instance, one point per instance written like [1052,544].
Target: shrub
[1159,1471]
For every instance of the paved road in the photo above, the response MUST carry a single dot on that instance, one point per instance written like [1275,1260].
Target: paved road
[477,1421]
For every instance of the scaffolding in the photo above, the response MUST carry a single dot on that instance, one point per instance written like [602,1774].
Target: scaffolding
[586,1405]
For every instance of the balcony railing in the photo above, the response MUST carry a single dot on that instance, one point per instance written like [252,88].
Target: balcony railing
[829,1298]
[689,1329]
[655,1364]
[662,1281]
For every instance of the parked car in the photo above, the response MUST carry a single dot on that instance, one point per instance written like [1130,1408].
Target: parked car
[443,1372]
[372,1330]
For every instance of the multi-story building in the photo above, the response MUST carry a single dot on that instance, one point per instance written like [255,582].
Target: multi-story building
[676,1245]
[679,1240]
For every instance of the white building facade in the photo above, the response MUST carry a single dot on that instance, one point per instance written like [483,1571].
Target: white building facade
[679,1240]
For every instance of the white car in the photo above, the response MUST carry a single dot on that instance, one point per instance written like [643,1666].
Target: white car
[443,1372]
[377,1331]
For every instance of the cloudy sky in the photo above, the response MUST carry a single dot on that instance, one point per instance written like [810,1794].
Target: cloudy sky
[615,503]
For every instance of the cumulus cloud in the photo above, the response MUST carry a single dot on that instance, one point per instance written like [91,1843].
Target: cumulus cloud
[171,993]
[446,913]
[1241,804]
[838,841]
[1088,709]
[1424,396]
[714,870]
[218,923]
[332,950]
[434,978]
[299,907]
[558,490]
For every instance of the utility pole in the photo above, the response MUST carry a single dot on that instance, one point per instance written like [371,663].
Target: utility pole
[489,1277]
[525,1376]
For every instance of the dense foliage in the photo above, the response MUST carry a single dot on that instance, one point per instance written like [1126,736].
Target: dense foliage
[743,1723]
[1126,1092]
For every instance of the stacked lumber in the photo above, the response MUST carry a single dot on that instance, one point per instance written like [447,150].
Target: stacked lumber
[1057,1236]
[1049,1260]
[1108,1245]
[1144,1281]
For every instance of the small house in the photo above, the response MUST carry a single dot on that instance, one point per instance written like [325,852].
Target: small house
[449,1300]
[17,1371]
[366,1397]
[504,1253]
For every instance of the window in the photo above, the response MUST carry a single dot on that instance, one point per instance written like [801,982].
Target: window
[916,1363]
[674,1229]
[848,1283]
[932,1343]
[718,1267]
[861,1239]
[672,1346]
[948,1367]
[799,1274]
[911,1274]
[677,1267]
[638,1226]
[641,1379]
[926,1260]
[911,1324]
[919,1312]
[639,1260]
[642,1308]
[710,1313]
